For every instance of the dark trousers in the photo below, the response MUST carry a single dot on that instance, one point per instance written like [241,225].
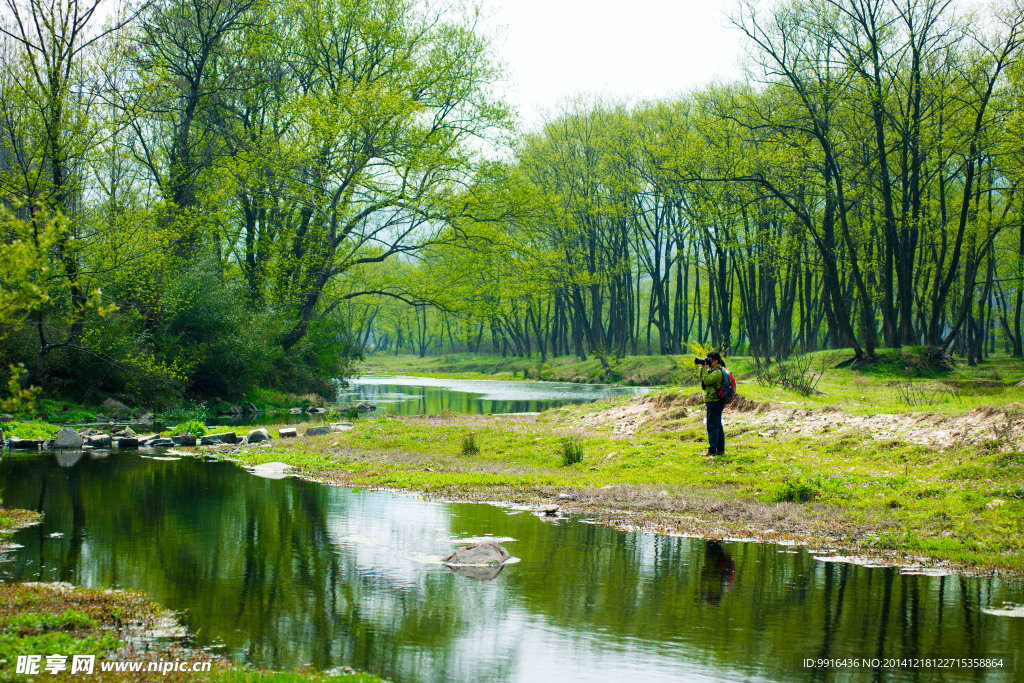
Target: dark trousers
[716,433]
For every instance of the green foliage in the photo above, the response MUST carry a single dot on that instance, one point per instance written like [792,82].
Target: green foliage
[32,429]
[187,411]
[66,411]
[19,401]
[570,450]
[193,427]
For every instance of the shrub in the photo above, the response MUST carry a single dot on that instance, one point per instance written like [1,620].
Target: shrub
[571,451]
[469,446]
[193,427]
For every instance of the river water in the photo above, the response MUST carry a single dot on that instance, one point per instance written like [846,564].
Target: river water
[288,573]
[400,395]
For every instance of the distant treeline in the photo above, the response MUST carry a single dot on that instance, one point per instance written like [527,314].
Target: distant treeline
[861,190]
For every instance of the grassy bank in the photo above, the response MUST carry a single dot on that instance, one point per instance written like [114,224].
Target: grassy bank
[897,460]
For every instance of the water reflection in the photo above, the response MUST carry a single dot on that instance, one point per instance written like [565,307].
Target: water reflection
[286,573]
[431,396]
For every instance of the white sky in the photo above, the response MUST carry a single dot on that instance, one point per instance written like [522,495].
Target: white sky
[623,50]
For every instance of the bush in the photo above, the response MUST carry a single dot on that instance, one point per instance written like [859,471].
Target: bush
[193,427]
[571,451]
[469,446]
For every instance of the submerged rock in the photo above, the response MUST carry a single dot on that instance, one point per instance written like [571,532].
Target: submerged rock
[483,553]
[271,470]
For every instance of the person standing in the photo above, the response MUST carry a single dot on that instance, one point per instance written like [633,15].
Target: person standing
[711,378]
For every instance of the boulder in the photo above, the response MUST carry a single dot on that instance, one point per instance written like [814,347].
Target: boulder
[316,411]
[184,440]
[158,442]
[257,435]
[6,417]
[128,431]
[341,426]
[318,430]
[98,441]
[67,439]
[127,443]
[549,509]
[223,437]
[115,408]
[146,417]
[483,553]
[287,432]
[100,417]
[295,411]
[365,407]
[16,444]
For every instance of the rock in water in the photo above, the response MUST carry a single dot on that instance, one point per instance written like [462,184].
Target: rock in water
[483,553]
[67,439]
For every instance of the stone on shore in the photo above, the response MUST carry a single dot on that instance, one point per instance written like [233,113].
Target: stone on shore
[318,430]
[287,432]
[257,435]
[222,437]
[115,408]
[341,426]
[98,441]
[67,439]
[16,444]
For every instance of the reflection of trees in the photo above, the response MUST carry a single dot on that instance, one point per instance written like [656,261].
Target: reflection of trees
[255,563]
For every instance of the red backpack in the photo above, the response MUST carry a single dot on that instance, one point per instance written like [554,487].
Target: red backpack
[727,392]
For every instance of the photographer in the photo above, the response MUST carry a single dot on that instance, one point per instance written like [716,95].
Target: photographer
[711,378]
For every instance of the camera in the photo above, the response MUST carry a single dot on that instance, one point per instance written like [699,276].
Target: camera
[701,361]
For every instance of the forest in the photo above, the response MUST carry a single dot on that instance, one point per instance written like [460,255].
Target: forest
[201,197]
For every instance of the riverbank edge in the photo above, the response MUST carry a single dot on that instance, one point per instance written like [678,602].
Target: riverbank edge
[710,512]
